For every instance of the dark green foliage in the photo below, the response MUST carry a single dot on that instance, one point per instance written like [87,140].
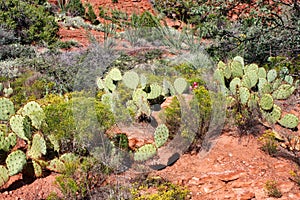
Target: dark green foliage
[30,22]
[75,8]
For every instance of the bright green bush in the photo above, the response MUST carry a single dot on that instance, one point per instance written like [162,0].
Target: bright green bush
[29,20]
[68,130]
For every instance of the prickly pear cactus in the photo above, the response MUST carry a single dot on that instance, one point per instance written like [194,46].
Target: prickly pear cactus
[161,135]
[271,75]
[6,108]
[234,84]
[266,102]
[17,125]
[34,111]
[38,171]
[15,162]
[6,142]
[4,177]
[283,92]
[38,147]
[272,116]
[180,85]
[155,91]
[131,79]
[289,121]
[145,152]
[244,95]
[115,74]
[236,68]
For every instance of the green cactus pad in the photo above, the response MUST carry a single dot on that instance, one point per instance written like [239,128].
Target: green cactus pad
[252,74]
[34,111]
[266,88]
[139,95]
[1,87]
[276,83]
[266,102]
[234,84]
[38,171]
[54,141]
[246,82]
[272,116]
[271,75]
[38,147]
[236,69]
[100,83]
[107,99]
[253,101]
[239,59]
[219,77]
[289,121]
[251,67]
[17,126]
[131,79]
[145,152]
[289,79]
[4,177]
[297,83]
[283,92]
[168,88]
[6,142]
[155,91]
[221,65]
[227,72]
[15,162]
[261,82]
[180,85]
[261,73]
[161,135]
[143,80]
[115,74]
[56,165]
[244,95]
[6,108]
[109,84]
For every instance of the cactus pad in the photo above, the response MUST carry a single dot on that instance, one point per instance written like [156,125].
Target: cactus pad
[155,91]
[7,141]
[3,175]
[252,74]
[15,162]
[56,165]
[143,80]
[17,126]
[145,152]
[283,92]
[161,135]
[34,111]
[289,121]
[8,92]
[100,83]
[261,73]
[236,68]
[239,59]
[234,84]
[251,67]
[168,88]
[6,108]
[180,85]
[131,79]
[272,116]
[271,75]
[266,102]
[219,77]
[244,95]
[115,74]
[289,79]
[37,169]
[38,147]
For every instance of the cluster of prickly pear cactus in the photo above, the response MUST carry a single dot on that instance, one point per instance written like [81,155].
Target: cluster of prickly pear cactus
[147,151]
[6,91]
[253,86]
[24,125]
[142,92]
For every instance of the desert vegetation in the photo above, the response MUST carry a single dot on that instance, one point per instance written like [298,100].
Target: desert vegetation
[145,93]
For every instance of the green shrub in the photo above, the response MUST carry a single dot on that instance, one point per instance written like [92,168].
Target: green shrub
[90,15]
[63,123]
[31,22]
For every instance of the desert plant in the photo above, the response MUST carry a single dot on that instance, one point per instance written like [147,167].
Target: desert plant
[251,88]
[272,190]
[29,21]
